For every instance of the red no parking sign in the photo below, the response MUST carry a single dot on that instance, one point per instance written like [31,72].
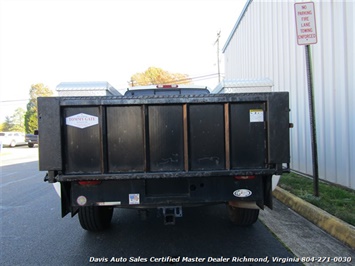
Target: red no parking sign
[305,23]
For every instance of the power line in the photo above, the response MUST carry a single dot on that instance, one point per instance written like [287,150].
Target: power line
[203,77]
[194,78]
[10,101]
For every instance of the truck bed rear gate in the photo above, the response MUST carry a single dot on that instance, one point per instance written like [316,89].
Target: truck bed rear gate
[164,151]
[147,135]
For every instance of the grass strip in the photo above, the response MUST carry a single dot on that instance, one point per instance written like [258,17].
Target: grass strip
[333,199]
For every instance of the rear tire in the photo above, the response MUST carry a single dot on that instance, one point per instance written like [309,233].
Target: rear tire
[30,145]
[95,218]
[241,216]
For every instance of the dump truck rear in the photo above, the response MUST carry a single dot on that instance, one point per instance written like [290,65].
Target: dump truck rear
[164,149]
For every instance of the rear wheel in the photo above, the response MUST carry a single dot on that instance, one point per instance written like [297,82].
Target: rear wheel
[13,143]
[241,216]
[30,145]
[95,218]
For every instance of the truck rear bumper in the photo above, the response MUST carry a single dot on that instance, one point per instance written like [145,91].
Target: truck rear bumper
[153,193]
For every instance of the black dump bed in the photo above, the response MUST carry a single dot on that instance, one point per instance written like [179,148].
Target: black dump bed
[156,136]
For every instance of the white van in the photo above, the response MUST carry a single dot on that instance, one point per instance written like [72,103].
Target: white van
[12,139]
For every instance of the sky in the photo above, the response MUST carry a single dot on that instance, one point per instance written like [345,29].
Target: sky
[53,41]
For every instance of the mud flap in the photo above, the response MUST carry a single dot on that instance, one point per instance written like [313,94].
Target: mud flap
[65,188]
[268,191]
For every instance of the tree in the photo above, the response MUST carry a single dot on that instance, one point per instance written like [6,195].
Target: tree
[154,75]
[15,122]
[31,120]
[7,124]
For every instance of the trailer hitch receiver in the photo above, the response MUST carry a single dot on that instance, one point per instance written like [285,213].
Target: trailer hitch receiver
[170,213]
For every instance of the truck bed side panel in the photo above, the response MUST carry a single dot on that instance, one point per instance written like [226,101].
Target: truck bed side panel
[248,136]
[125,139]
[82,146]
[206,138]
[278,128]
[50,137]
[166,144]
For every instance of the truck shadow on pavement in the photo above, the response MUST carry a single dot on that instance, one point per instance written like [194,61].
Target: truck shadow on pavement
[203,232]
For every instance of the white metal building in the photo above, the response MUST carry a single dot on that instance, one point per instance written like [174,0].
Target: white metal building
[263,44]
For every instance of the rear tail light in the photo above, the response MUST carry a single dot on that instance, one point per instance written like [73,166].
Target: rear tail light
[89,183]
[244,177]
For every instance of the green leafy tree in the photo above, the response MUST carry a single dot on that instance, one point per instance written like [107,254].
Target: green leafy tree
[7,124]
[15,122]
[154,75]
[31,119]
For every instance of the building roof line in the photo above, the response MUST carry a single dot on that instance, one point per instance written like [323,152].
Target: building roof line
[236,25]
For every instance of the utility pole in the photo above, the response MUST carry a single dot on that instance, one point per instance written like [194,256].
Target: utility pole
[217,42]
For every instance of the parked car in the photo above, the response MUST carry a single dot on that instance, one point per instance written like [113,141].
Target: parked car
[31,140]
[12,139]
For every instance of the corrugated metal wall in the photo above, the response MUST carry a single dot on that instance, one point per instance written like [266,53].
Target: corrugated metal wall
[263,45]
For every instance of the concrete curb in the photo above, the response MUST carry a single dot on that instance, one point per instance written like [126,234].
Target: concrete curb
[332,225]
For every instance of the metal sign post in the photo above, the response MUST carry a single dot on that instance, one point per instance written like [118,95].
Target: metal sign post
[312,121]
[306,35]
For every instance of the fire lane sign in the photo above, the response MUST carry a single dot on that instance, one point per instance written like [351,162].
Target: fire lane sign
[305,23]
